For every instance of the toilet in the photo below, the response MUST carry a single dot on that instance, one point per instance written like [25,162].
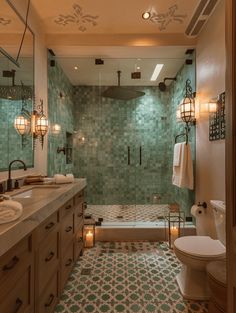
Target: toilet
[195,252]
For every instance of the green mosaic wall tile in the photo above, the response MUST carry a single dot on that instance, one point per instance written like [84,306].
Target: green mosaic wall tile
[10,141]
[104,130]
[60,111]
[108,128]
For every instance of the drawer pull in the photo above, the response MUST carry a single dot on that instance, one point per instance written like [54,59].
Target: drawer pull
[69,262]
[11,264]
[81,239]
[50,256]
[80,214]
[68,207]
[19,303]
[68,229]
[50,300]
[50,225]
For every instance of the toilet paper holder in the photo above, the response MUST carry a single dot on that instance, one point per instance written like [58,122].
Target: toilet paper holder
[202,204]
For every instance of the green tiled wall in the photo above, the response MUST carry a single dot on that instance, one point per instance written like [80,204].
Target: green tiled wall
[10,141]
[105,128]
[60,111]
[109,127]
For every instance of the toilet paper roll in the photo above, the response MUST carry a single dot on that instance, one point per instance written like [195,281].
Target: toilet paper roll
[197,210]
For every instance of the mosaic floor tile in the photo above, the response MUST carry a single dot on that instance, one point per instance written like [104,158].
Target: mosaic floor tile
[129,277]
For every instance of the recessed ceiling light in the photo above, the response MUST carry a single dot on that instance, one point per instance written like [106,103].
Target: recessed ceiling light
[138,67]
[156,71]
[146,15]
[76,67]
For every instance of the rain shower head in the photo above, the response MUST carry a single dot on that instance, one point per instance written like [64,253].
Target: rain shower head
[121,93]
[162,85]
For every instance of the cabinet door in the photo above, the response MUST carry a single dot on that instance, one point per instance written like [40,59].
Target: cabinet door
[48,260]
[50,295]
[20,299]
[66,264]
[67,231]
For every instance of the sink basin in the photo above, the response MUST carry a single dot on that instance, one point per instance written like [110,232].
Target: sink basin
[39,191]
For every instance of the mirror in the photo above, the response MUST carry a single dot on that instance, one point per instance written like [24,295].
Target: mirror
[16,84]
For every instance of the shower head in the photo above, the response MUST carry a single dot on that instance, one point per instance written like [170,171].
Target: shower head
[121,93]
[162,85]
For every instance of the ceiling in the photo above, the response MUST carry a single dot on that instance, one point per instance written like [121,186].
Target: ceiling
[115,17]
[140,59]
[78,31]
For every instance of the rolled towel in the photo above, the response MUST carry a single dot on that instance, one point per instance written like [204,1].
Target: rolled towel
[61,179]
[10,211]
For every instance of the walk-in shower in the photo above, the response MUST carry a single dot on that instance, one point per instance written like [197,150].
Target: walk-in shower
[124,148]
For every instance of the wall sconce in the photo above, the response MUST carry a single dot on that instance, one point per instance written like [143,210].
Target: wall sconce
[213,105]
[56,129]
[35,123]
[187,107]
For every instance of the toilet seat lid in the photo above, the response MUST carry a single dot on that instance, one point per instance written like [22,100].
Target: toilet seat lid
[200,246]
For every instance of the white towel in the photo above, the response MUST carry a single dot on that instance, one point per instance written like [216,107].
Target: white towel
[183,174]
[177,153]
[61,179]
[9,211]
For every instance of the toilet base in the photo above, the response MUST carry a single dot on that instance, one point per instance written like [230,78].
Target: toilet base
[193,283]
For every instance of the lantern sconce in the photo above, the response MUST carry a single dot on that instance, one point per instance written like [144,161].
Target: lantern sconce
[35,123]
[187,107]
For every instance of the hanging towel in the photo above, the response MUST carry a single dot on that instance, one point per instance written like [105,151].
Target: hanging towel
[183,173]
[177,154]
[9,211]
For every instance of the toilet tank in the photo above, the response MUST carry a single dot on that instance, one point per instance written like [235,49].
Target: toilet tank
[219,219]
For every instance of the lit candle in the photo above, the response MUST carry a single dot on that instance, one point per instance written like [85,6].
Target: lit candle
[174,233]
[89,239]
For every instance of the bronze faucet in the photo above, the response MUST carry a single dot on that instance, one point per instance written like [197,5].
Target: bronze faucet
[9,181]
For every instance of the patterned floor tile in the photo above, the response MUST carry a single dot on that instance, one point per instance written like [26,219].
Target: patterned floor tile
[129,277]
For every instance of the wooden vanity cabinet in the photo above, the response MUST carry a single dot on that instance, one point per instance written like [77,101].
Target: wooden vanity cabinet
[17,278]
[33,273]
[47,264]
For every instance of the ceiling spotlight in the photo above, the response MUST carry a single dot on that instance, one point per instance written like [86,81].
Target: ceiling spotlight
[146,15]
[76,67]
[138,67]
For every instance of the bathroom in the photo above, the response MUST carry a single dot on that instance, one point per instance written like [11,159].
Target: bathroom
[124,149]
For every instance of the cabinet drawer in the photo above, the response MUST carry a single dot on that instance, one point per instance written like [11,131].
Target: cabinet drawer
[20,298]
[67,208]
[50,295]
[67,231]
[78,242]
[79,197]
[14,262]
[47,226]
[48,260]
[66,264]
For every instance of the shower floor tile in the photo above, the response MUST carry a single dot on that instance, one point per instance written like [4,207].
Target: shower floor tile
[128,213]
[129,277]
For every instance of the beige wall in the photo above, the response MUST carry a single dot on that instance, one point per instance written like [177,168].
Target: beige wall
[210,158]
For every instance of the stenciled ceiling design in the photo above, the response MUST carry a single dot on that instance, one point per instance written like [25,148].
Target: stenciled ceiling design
[77,17]
[167,18]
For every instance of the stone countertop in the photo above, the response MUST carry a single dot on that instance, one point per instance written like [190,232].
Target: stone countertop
[35,211]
